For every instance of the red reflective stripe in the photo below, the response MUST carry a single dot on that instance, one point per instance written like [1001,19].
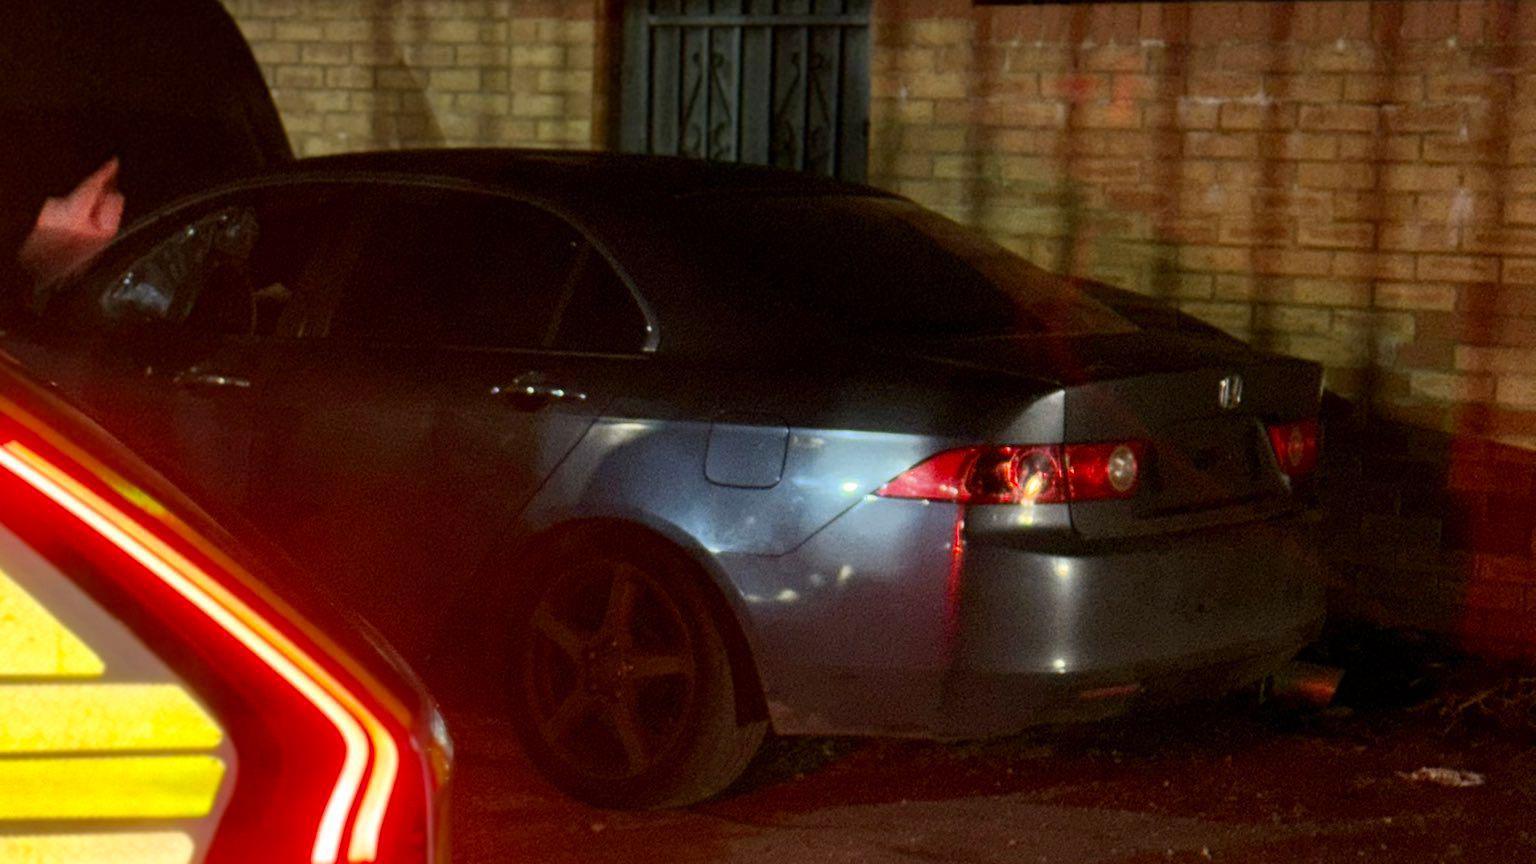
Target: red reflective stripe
[361,732]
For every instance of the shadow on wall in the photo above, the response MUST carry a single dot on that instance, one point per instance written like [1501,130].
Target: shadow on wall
[400,115]
[1316,204]
[437,78]
[1430,530]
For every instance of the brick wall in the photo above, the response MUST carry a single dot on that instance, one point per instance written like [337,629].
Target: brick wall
[361,74]
[1352,182]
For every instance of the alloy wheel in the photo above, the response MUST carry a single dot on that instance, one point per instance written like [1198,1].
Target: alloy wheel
[610,669]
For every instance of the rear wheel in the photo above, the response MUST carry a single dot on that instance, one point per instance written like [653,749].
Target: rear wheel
[621,687]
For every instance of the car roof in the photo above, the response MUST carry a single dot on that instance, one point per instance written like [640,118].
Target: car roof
[580,177]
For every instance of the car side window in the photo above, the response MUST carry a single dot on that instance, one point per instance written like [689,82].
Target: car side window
[457,269]
[229,272]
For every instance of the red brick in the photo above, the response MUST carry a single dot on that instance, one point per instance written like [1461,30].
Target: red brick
[1520,211]
[1337,235]
[1472,21]
[1265,232]
[1504,240]
[1481,86]
[1106,170]
[1424,118]
[1299,146]
[1419,178]
[1458,268]
[1292,319]
[1128,86]
[1110,22]
[1379,148]
[1500,300]
[1427,354]
[1248,115]
[1317,22]
[1414,20]
[1309,87]
[1459,206]
[1295,202]
[1012,113]
[1074,86]
[1114,58]
[1517,391]
[1228,21]
[1383,88]
[1498,360]
[1212,145]
[1225,85]
[1493,330]
[1339,118]
[1336,175]
[1190,114]
[1115,115]
[1418,237]
[1482,594]
[1342,58]
[1504,568]
[1415,295]
[1371,205]
[1449,387]
[1215,258]
[1291,262]
[1373,265]
[1453,148]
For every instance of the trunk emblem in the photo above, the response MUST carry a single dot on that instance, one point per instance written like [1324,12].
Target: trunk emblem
[1230,394]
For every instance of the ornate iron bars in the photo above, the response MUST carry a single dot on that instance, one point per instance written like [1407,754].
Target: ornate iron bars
[770,82]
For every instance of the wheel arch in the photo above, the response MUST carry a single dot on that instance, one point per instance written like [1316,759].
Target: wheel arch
[725,602]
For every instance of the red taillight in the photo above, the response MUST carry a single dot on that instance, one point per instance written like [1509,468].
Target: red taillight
[318,746]
[1036,474]
[1295,446]
[1098,472]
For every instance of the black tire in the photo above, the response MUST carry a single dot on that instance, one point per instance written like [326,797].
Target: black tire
[621,687]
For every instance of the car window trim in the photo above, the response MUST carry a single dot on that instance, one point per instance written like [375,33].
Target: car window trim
[173,209]
[327,299]
[290,324]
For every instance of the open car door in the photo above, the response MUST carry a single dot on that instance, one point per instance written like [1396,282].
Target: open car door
[168,87]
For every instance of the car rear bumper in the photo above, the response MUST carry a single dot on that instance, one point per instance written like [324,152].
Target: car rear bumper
[1049,637]
[1087,631]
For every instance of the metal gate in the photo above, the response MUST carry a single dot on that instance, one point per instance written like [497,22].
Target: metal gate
[770,82]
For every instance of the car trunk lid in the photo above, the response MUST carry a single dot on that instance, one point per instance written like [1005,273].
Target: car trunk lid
[1201,405]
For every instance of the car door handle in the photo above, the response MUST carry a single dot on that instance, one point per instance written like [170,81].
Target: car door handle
[197,379]
[530,393]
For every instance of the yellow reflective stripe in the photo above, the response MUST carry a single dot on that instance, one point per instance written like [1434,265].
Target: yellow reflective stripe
[123,787]
[85,718]
[361,732]
[33,644]
[163,848]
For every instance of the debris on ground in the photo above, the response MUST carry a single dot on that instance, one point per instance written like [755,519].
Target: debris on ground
[1508,706]
[1443,777]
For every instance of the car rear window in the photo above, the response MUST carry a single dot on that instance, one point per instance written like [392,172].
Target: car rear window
[889,266]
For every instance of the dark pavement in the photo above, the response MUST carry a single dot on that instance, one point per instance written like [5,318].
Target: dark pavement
[1225,782]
